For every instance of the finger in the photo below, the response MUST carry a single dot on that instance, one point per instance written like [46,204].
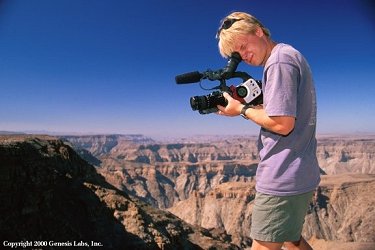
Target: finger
[221,108]
[219,113]
[226,95]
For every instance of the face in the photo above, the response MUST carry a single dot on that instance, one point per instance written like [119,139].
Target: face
[253,48]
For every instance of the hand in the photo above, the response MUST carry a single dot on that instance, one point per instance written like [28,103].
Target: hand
[232,109]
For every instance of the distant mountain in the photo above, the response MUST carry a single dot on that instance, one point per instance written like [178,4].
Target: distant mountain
[99,145]
[11,133]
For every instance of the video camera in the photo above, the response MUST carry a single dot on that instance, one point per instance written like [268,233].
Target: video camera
[249,92]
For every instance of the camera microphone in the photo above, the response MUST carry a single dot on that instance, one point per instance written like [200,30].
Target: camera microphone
[225,73]
[190,77]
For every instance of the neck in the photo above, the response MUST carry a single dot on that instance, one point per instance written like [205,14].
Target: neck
[270,45]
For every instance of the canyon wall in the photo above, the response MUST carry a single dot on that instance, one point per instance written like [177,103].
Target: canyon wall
[342,210]
[164,173]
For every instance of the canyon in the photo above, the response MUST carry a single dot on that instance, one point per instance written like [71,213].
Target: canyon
[188,193]
[209,181]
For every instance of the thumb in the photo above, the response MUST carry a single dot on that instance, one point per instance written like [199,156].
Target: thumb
[227,95]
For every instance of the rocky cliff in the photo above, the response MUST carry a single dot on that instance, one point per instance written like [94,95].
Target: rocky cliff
[49,194]
[342,210]
[227,207]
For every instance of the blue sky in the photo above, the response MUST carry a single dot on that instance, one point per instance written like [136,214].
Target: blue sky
[90,66]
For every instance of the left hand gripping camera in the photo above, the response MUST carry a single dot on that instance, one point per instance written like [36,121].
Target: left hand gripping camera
[249,92]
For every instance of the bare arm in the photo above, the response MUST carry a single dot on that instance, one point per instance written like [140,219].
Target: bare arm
[278,124]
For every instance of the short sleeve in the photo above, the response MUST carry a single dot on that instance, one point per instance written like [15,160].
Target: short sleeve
[280,93]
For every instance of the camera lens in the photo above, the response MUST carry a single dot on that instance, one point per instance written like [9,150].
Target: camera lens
[241,91]
[194,103]
[206,104]
[198,102]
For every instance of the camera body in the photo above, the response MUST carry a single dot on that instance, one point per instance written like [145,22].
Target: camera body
[249,92]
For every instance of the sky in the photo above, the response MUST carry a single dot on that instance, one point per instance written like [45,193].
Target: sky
[94,66]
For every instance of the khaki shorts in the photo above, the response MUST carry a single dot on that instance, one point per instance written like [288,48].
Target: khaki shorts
[279,218]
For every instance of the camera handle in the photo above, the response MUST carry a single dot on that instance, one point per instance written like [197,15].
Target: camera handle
[238,74]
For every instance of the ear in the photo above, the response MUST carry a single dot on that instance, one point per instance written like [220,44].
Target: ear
[259,32]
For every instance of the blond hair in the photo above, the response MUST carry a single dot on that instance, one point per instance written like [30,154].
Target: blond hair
[243,24]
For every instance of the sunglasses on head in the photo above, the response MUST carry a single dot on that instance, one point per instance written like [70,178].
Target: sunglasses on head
[227,23]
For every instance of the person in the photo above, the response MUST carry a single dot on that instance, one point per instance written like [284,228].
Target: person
[288,170]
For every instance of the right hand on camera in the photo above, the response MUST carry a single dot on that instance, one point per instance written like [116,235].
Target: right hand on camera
[232,109]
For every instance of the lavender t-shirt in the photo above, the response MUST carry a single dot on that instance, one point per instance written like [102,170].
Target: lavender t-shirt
[288,164]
